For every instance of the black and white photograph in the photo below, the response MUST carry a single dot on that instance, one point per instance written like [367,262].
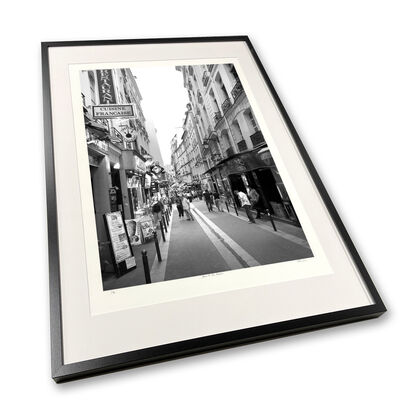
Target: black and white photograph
[183,180]
[210,193]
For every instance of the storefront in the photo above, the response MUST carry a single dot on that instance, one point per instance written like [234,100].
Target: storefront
[135,172]
[256,169]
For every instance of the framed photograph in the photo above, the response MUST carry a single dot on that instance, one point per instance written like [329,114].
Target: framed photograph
[184,213]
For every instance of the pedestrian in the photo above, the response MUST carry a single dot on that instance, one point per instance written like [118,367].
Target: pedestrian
[187,208]
[179,206]
[245,203]
[217,201]
[208,200]
[255,201]
[156,209]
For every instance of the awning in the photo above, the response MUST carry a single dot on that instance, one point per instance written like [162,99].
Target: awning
[241,162]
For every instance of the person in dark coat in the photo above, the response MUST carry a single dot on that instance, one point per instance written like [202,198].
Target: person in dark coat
[208,200]
[255,200]
[179,205]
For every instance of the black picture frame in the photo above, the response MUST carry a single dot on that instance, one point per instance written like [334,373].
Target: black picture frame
[62,372]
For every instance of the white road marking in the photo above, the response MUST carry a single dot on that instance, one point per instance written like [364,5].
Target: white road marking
[244,255]
[230,259]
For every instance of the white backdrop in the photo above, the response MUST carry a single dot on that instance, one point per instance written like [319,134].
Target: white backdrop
[337,66]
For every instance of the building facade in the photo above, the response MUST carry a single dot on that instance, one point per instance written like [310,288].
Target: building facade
[228,150]
[119,148]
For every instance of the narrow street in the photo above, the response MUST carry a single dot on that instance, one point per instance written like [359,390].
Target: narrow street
[220,241]
[201,140]
[214,242]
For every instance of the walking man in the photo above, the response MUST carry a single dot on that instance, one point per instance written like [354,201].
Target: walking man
[208,200]
[255,201]
[179,206]
[157,207]
[217,201]
[187,208]
[245,203]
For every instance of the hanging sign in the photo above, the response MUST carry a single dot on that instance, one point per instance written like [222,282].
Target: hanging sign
[106,86]
[112,111]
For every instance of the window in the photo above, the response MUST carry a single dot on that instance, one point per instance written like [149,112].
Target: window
[233,72]
[237,131]
[222,87]
[242,145]
[91,78]
[251,121]
[225,141]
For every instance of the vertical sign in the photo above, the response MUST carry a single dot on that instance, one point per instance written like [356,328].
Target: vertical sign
[118,236]
[122,252]
[106,86]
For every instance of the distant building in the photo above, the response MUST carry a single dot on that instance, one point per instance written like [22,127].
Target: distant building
[154,148]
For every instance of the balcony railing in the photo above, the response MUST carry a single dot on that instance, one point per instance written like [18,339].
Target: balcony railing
[217,117]
[205,78]
[226,105]
[237,90]
[257,138]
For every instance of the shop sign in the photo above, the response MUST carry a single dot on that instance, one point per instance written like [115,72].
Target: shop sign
[113,199]
[118,236]
[147,229]
[133,182]
[236,165]
[148,179]
[93,161]
[112,111]
[103,146]
[106,86]
[243,163]
[139,164]
[134,231]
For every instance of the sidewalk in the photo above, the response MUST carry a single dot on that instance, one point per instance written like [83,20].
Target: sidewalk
[191,251]
[135,276]
[259,240]
[280,225]
[214,242]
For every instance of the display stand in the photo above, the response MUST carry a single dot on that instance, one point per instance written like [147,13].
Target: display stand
[121,249]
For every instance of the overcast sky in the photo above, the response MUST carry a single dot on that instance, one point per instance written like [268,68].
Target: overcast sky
[164,100]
